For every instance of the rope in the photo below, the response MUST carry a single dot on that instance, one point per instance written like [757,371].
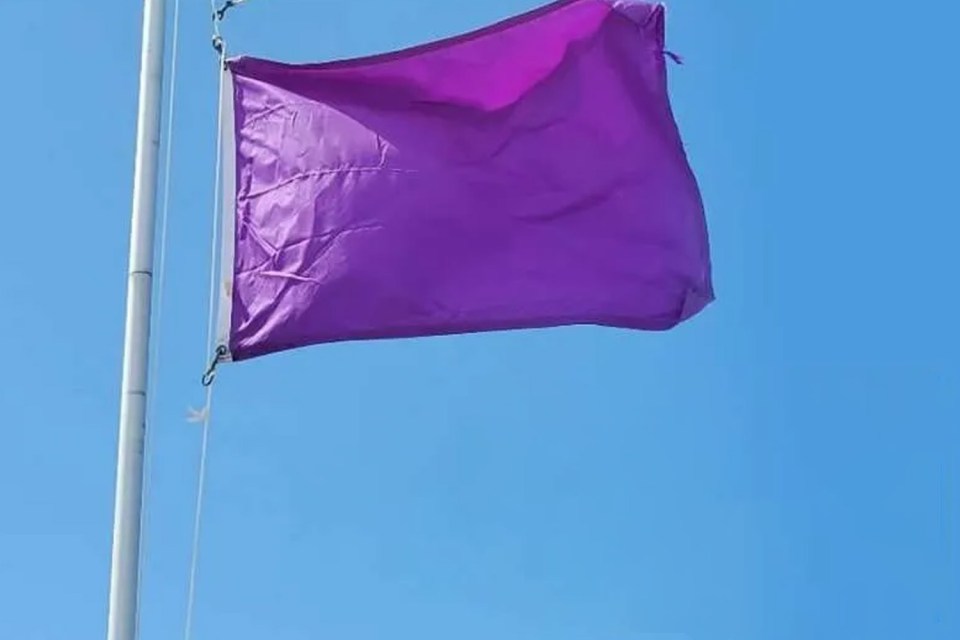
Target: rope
[158,318]
[195,551]
[218,16]
[203,416]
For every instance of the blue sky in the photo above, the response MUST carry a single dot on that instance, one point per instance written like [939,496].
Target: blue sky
[784,466]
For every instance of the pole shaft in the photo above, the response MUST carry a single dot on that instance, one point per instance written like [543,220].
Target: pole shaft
[124,574]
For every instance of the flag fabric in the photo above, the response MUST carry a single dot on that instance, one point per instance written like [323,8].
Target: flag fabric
[526,175]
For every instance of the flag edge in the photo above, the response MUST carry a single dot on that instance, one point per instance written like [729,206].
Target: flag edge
[228,217]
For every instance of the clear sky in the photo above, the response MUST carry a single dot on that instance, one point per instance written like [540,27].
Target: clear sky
[783,467]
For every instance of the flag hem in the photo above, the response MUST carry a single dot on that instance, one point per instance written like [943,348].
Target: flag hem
[228,215]
[693,304]
[418,49]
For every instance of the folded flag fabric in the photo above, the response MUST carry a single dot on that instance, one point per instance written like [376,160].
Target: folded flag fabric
[526,175]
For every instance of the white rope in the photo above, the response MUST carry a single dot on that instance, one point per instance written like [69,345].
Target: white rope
[195,552]
[158,314]
[203,416]
[216,19]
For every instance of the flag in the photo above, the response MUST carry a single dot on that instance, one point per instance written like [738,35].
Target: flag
[527,175]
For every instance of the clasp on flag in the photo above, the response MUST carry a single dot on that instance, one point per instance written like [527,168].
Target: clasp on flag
[211,373]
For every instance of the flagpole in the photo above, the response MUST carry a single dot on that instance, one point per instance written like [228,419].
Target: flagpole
[124,573]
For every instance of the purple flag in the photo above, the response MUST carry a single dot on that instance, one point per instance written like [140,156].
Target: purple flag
[526,175]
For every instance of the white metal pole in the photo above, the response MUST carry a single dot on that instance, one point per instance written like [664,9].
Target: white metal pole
[124,574]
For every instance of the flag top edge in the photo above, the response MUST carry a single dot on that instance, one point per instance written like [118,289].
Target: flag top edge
[237,63]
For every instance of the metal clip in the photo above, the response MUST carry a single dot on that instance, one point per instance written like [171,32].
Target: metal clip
[211,373]
[222,11]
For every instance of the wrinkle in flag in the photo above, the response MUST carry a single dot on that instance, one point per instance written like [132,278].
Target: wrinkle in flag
[527,175]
